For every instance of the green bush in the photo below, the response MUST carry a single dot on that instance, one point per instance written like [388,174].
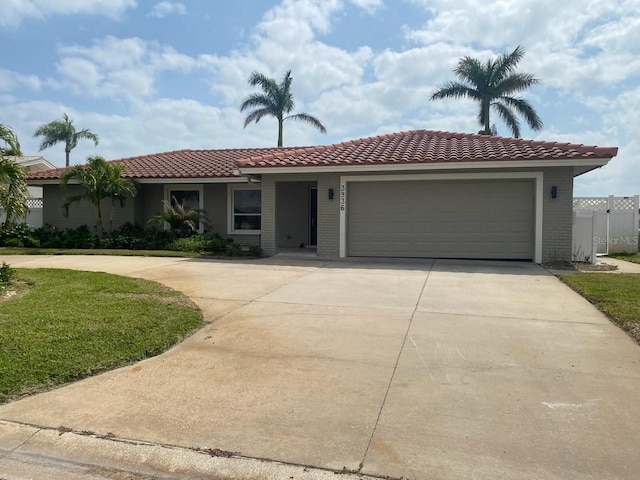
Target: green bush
[19,235]
[196,243]
[255,251]
[51,237]
[7,274]
[137,237]
[232,249]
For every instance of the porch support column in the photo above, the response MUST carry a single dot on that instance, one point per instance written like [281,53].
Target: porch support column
[268,236]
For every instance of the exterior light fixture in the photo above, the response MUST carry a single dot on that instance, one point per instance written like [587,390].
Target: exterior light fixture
[331,194]
[554,192]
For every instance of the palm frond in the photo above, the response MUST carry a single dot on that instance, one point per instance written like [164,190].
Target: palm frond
[507,63]
[308,119]
[10,139]
[257,115]
[525,110]
[87,135]
[257,100]
[507,116]
[515,83]
[454,90]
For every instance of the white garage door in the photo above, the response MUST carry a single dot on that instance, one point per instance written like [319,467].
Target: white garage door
[441,219]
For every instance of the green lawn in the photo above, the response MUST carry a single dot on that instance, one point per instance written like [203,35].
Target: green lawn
[64,325]
[629,257]
[616,294]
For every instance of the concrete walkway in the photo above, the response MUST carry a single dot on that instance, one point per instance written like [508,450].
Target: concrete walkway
[422,369]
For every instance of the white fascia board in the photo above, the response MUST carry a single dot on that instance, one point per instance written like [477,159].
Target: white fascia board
[592,162]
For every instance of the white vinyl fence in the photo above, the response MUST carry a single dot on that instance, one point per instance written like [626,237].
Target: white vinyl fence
[604,225]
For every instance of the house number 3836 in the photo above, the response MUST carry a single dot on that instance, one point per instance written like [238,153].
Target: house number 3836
[343,197]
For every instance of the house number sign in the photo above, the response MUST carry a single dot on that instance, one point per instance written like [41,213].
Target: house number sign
[343,197]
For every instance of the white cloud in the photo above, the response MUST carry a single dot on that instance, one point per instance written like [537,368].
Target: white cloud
[10,80]
[15,11]
[162,9]
[371,6]
[118,68]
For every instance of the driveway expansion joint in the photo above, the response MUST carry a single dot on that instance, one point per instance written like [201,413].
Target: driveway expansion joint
[395,367]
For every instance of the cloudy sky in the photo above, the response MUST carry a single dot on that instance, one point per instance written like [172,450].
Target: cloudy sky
[151,76]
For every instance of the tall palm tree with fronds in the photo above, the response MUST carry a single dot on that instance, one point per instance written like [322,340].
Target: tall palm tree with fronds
[63,131]
[96,185]
[276,100]
[492,84]
[10,140]
[14,191]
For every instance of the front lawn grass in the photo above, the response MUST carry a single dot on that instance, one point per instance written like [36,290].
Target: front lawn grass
[628,257]
[616,294]
[63,325]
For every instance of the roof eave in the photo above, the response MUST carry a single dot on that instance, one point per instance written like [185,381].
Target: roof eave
[590,164]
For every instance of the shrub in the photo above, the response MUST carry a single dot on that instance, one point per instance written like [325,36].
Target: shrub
[19,235]
[232,249]
[137,237]
[6,274]
[51,237]
[255,251]
[196,243]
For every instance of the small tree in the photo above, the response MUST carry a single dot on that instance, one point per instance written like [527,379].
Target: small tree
[97,184]
[182,220]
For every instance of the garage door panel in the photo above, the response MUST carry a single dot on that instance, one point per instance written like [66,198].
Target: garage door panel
[470,219]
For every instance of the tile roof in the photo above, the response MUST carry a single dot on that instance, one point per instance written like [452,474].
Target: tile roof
[413,147]
[176,164]
[423,147]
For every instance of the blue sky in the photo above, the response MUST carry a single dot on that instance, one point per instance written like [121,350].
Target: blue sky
[151,76]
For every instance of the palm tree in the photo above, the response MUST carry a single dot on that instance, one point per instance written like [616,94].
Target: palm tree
[118,187]
[96,185]
[492,85]
[63,131]
[14,191]
[275,101]
[10,140]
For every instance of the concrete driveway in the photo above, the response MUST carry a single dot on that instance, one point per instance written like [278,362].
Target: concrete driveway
[421,369]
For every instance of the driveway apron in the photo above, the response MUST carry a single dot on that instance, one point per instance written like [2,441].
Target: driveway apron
[420,369]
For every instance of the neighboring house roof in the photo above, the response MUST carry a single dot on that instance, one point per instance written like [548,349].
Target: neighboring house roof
[414,148]
[177,164]
[425,147]
[34,163]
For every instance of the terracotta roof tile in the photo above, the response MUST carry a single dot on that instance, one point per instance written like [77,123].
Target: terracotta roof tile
[177,164]
[413,147]
[425,146]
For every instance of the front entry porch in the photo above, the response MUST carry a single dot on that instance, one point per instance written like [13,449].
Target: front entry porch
[297,217]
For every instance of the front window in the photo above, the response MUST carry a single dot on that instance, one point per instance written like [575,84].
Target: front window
[247,210]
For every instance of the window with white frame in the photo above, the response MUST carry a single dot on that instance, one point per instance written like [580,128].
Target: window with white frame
[246,210]
[189,196]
